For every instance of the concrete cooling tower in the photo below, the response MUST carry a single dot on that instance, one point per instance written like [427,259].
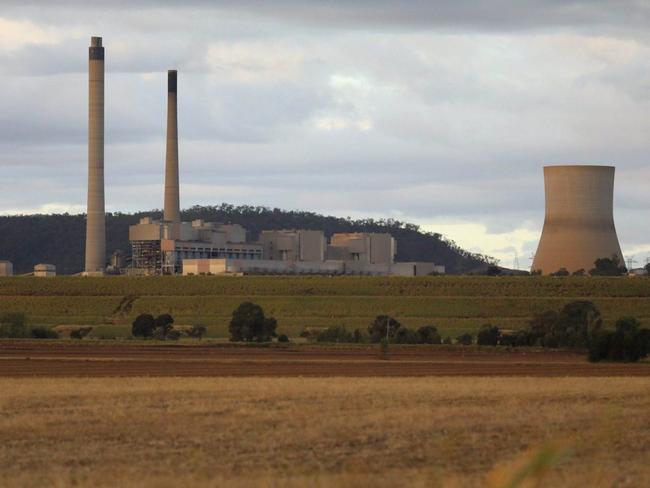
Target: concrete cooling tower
[95,223]
[579,222]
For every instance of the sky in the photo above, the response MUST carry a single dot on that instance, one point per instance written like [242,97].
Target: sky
[441,114]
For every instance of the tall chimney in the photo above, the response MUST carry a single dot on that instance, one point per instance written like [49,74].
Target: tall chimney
[172,212]
[95,223]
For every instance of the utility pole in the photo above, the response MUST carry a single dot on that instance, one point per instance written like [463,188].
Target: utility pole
[387,327]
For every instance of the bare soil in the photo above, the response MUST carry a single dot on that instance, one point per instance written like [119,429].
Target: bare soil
[95,359]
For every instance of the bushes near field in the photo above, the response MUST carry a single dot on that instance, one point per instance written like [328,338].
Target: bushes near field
[628,343]
[14,326]
[383,327]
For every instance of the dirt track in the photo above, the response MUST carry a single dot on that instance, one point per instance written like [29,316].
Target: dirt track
[31,358]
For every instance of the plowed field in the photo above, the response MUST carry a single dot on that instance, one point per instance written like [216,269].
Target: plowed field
[31,358]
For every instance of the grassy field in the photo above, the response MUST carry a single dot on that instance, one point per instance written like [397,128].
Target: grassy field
[323,432]
[455,304]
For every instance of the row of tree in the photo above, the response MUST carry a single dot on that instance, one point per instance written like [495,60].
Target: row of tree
[248,324]
[145,326]
[577,325]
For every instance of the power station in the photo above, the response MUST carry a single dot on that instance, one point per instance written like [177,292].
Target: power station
[579,222]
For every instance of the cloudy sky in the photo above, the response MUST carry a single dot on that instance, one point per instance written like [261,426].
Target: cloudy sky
[437,113]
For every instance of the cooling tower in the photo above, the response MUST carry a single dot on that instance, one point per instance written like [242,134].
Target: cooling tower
[579,222]
[95,223]
[172,211]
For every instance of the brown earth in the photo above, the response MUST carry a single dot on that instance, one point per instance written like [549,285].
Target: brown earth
[61,358]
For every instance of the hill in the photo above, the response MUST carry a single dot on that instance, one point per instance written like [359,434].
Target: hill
[59,238]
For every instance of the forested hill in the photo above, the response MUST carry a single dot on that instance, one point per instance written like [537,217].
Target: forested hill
[59,239]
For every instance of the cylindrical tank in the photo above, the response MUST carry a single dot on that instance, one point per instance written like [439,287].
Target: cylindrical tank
[172,210]
[95,224]
[579,222]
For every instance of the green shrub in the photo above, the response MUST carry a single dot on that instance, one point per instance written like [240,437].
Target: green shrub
[14,326]
[336,333]
[561,272]
[249,323]
[628,343]
[428,334]
[360,337]
[406,336]
[163,323]
[44,333]
[447,340]
[573,326]
[378,328]
[608,267]
[80,333]
[173,335]
[283,338]
[465,339]
[517,339]
[488,335]
[143,326]
[197,331]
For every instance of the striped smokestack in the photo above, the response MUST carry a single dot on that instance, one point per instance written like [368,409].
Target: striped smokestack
[95,223]
[172,212]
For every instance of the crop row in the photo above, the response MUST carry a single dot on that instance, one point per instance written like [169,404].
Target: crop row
[438,286]
[306,310]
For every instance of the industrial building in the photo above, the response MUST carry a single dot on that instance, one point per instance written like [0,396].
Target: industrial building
[45,271]
[159,247]
[170,246]
[266,266]
[579,221]
[6,268]
[369,248]
[293,245]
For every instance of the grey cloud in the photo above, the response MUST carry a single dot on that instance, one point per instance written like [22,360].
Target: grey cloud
[460,121]
[507,15]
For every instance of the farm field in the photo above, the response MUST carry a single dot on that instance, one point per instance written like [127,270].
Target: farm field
[455,304]
[43,358]
[357,432]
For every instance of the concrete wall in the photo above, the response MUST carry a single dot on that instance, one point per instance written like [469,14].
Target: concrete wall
[312,245]
[267,266]
[45,270]
[579,222]
[382,249]
[293,245]
[6,268]
[370,248]
[150,231]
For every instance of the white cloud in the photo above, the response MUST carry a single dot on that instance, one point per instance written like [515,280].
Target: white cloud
[15,34]
[255,61]
[447,125]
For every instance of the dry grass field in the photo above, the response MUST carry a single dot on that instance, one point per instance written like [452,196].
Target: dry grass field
[434,431]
